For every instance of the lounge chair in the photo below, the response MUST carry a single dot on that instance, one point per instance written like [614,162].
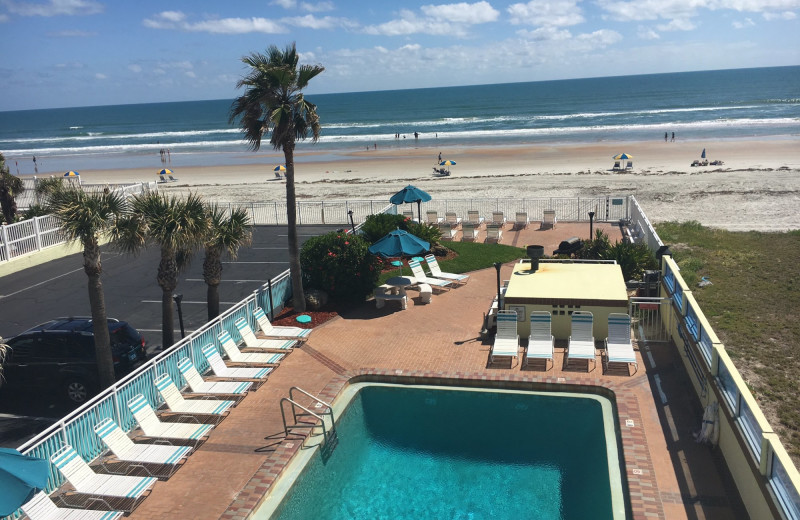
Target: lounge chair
[619,348]
[448,230]
[156,459]
[421,278]
[494,233]
[40,507]
[172,179]
[237,356]
[616,166]
[469,232]
[581,340]
[251,341]
[474,217]
[548,219]
[410,215]
[506,340]
[221,370]
[153,427]
[541,341]
[629,166]
[436,272]
[199,386]
[452,218]
[433,217]
[177,404]
[498,218]
[521,221]
[271,331]
[120,489]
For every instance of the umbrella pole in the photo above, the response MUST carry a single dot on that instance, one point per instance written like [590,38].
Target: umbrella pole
[419,211]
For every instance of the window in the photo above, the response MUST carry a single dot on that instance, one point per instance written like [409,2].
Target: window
[23,348]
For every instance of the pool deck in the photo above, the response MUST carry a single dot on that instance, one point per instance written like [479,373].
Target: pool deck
[669,475]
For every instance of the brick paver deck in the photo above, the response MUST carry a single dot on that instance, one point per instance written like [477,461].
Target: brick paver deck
[668,475]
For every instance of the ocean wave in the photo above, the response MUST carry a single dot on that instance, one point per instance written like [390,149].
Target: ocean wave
[157,136]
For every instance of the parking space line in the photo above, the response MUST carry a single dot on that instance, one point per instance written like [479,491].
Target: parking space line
[223,280]
[40,283]
[187,301]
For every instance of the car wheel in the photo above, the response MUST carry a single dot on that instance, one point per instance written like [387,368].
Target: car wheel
[77,391]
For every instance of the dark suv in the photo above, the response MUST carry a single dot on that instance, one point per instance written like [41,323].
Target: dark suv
[59,355]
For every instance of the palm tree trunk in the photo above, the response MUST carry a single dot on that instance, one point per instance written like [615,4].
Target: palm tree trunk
[212,301]
[212,274]
[167,280]
[298,297]
[102,341]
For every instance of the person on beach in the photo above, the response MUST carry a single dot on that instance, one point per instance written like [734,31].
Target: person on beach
[673,137]
[416,135]
[666,136]
[440,156]
[35,166]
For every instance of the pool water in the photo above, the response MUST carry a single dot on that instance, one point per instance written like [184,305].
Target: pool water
[422,453]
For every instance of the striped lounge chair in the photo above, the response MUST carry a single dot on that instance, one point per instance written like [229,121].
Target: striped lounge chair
[436,272]
[619,348]
[541,341]
[581,339]
[272,331]
[177,404]
[237,356]
[221,370]
[251,341]
[506,340]
[156,459]
[40,507]
[199,386]
[153,427]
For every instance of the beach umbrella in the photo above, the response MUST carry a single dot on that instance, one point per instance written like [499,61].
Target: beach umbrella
[623,157]
[72,173]
[165,171]
[280,168]
[703,155]
[21,476]
[411,194]
[399,243]
[447,163]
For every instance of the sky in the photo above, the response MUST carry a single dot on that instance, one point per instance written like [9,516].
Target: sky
[62,53]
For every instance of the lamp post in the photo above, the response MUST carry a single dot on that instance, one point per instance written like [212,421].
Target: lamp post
[591,222]
[352,225]
[498,265]
[178,298]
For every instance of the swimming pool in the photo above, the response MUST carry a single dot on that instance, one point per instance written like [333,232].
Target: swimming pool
[444,452]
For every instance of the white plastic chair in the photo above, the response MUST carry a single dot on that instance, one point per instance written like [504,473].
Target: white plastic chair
[619,348]
[153,427]
[177,404]
[436,272]
[494,233]
[221,370]
[421,277]
[237,356]
[506,340]
[146,456]
[540,342]
[271,331]
[40,507]
[581,340]
[251,341]
[199,386]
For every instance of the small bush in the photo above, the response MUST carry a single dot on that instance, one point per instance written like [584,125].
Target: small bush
[595,249]
[378,226]
[634,259]
[340,265]
[426,232]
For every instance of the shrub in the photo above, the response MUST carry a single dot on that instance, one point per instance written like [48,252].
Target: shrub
[427,232]
[378,226]
[340,265]
[595,249]
[634,259]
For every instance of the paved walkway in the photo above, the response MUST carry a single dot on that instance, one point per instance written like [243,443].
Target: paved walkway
[669,476]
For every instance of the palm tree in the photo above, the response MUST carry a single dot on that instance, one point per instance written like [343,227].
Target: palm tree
[273,101]
[177,227]
[10,187]
[225,234]
[89,216]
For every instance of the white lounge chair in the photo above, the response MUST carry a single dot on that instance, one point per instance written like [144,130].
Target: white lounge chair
[221,370]
[237,356]
[521,221]
[421,277]
[506,340]
[271,331]
[448,230]
[200,386]
[494,233]
[177,404]
[432,217]
[153,427]
[541,341]
[103,488]
[251,341]
[410,215]
[548,219]
[469,232]
[619,348]
[156,459]
[498,218]
[436,272]
[453,219]
[581,340]
[40,507]
[474,217]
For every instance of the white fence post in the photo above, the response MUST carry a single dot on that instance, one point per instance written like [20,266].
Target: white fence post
[37,233]
[6,245]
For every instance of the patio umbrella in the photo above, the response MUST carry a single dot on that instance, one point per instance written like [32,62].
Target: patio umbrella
[447,163]
[399,243]
[411,194]
[279,168]
[623,157]
[703,155]
[21,476]
[72,173]
[165,171]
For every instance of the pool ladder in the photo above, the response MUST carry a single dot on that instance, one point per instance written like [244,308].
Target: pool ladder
[302,419]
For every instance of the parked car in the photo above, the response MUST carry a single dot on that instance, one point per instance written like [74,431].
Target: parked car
[58,356]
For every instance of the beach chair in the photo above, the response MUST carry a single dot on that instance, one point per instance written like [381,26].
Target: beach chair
[251,341]
[221,370]
[156,460]
[548,219]
[619,348]
[448,231]
[474,217]
[153,427]
[629,166]
[271,331]
[469,232]
[498,218]
[433,217]
[237,356]
[40,507]
[521,221]
[436,272]
[540,341]
[506,340]
[616,166]
[494,233]
[581,339]
[453,219]
[122,491]
[199,386]
[172,179]
[177,404]
[421,278]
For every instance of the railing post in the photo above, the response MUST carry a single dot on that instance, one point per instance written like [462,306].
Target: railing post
[322,210]
[37,233]
[275,205]
[6,245]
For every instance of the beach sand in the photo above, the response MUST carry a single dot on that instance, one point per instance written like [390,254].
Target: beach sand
[757,188]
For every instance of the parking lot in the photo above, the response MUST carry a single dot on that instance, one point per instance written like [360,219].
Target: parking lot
[59,288]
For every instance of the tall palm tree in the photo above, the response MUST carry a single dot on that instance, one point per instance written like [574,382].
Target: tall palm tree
[226,234]
[88,217]
[273,101]
[177,226]
[10,187]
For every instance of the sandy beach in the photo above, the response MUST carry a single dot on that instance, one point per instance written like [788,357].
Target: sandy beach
[757,188]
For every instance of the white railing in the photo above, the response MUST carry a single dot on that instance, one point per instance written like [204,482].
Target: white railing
[640,228]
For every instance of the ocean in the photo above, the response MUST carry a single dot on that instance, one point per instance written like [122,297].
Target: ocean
[727,104]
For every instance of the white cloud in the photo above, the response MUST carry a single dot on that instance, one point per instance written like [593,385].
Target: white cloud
[178,20]
[54,8]
[100,76]
[647,33]
[73,34]
[190,74]
[312,22]
[135,68]
[558,13]
[444,19]
[601,38]
[286,4]
[677,25]
[411,47]
[3,18]
[471,14]
[319,7]
[786,15]
[545,34]
[679,12]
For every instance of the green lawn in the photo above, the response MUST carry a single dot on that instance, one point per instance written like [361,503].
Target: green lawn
[753,305]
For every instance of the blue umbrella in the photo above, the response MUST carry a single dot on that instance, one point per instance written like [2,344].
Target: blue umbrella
[399,243]
[411,194]
[21,476]
[703,155]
